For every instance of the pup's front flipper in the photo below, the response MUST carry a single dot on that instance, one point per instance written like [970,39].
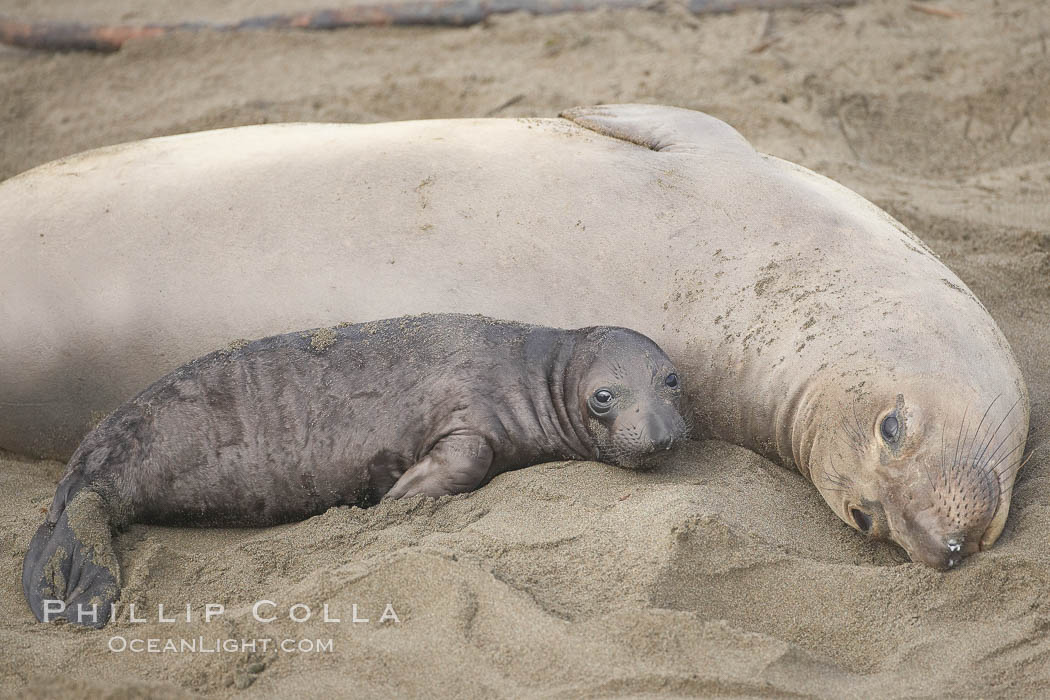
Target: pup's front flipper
[456,464]
[70,571]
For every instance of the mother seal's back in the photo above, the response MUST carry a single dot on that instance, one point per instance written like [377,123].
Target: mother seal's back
[289,426]
[812,327]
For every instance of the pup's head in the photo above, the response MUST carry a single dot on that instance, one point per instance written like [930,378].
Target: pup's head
[629,394]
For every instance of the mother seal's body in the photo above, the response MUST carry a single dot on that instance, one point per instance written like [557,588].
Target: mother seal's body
[289,426]
[812,327]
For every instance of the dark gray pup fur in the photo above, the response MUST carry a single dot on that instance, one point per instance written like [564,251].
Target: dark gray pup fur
[286,427]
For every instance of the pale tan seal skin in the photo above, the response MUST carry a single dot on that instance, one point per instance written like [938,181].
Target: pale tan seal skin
[800,315]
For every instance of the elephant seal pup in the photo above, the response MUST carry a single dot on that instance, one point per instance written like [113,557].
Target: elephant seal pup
[813,328]
[286,427]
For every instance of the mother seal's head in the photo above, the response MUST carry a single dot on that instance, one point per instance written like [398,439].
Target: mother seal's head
[629,395]
[926,460]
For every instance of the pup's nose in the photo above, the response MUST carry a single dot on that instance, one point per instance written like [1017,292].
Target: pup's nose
[665,430]
[663,441]
[662,434]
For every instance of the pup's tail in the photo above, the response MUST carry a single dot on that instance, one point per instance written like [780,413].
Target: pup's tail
[70,571]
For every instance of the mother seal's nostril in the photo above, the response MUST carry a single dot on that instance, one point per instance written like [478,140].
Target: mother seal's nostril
[940,551]
[862,519]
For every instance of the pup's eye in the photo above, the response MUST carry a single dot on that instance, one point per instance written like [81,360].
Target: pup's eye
[890,428]
[862,519]
[601,402]
[672,380]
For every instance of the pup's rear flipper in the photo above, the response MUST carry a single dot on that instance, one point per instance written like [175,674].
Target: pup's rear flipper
[70,571]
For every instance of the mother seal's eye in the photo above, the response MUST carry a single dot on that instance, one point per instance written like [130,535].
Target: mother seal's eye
[890,428]
[672,380]
[862,519]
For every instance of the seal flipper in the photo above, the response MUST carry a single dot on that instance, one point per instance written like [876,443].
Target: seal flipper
[70,571]
[667,129]
[456,464]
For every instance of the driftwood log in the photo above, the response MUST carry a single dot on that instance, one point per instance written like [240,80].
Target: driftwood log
[53,35]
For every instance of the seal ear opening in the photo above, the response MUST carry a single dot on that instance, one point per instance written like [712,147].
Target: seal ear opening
[69,577]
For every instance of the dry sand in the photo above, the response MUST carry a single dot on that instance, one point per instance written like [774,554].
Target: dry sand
[720,573]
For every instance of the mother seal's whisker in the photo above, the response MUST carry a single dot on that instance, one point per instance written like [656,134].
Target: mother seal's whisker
[991,437]
[984,417]
[851,438]
[993,467]
[959,441]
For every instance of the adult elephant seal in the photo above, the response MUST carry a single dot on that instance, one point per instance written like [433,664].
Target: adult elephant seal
[289,426]
[811,326]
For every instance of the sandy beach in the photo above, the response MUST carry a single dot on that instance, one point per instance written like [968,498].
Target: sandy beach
[718,573]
